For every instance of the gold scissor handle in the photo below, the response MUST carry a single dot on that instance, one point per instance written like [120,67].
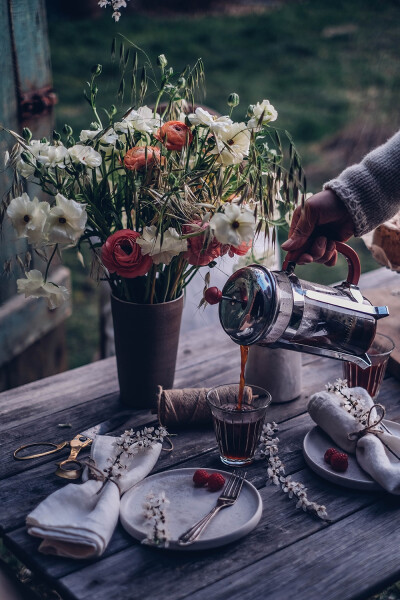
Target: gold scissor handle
[55,448]
[76,444]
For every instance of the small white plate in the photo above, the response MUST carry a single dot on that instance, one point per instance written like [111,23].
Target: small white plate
[188,504]
[316,443]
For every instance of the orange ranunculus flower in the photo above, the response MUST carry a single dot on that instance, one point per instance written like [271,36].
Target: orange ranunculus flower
[240,250]
[174,135]
[122,255]
[198,253]
[139,157]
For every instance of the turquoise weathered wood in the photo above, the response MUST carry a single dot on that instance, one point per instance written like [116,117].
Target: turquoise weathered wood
[25,101]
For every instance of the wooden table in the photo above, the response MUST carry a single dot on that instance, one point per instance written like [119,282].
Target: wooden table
[289,555]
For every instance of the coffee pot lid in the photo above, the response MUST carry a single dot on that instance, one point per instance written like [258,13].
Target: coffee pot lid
[248,304]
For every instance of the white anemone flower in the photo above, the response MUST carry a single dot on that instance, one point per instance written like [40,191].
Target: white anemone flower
[233,226]
[263,113]
[35,286]
[66,221]
[232,144]
[85,155]
[171,246]
[203,117]
[29,217]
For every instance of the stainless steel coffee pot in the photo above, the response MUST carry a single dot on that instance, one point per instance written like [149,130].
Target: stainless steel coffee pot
[277,309]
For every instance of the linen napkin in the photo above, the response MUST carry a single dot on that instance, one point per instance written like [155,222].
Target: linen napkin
[76,521]
[377,453]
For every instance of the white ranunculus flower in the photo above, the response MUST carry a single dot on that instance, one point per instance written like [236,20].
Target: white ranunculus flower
[85,155]
[35,286]
[37,150]
[66,221]
[54,156]
[142,120]
[29,217]
[203,117]
[171,246]
[232,144]
[233,226]
[108,139]
[263,110]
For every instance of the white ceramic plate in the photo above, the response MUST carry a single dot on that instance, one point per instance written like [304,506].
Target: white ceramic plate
[187,505]
[315,444]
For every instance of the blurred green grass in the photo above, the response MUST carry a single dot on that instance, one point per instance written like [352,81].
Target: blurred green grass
[330,69]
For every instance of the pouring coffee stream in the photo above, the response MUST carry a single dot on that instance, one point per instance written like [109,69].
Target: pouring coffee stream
[279,310]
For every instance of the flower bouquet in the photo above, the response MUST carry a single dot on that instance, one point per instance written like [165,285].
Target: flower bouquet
[157,193]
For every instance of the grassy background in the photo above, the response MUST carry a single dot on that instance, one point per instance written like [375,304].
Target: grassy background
[331,70]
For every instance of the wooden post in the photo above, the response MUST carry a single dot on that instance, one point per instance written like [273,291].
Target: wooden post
[32,338]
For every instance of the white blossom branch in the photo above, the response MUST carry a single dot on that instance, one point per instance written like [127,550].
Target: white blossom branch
[277,475]
[156,521]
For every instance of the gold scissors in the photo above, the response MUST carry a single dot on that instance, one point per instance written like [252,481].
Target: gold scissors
[71,468]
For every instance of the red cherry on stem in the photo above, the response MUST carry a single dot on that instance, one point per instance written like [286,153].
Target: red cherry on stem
[213,295]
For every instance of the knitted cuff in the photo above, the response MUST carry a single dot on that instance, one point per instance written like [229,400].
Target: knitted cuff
[352,204]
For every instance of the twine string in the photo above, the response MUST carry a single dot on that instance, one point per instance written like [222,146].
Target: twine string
[372,425]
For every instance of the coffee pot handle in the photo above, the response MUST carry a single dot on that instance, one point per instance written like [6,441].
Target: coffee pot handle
[353,262]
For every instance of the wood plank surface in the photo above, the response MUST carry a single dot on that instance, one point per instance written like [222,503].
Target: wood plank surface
[289,554]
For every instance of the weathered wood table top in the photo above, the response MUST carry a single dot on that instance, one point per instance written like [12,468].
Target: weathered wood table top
[290,554]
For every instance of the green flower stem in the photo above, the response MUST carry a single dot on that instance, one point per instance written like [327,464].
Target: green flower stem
[49,262]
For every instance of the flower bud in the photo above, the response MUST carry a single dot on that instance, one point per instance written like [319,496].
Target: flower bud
[27,134]
[113,110]
[181,82]
[26,157]
[96,70]
[169,72]
[233,99]
[56,136]
[250,110]
[162,61]
[67,130]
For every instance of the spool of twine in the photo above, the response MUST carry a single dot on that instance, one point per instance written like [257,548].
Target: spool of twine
[188,407]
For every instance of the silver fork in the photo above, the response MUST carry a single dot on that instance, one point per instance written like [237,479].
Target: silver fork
[228,496]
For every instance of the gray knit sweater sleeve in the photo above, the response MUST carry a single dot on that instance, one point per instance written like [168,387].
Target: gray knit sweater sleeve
[371,189]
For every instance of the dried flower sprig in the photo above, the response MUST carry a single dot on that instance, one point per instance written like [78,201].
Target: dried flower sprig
[350,401]
[277,474]
[155,515]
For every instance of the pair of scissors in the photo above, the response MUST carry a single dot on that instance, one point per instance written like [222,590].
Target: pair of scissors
[71,468]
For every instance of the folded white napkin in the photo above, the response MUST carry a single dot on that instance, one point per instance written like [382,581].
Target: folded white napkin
[376,453]
[77,522]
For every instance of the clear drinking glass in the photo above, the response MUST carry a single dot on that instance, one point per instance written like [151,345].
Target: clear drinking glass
[371,377]
[238,425]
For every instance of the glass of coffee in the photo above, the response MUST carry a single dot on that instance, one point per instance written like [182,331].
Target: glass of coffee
[370,378]
[238,415]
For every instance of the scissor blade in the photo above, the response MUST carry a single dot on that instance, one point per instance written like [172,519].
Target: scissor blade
[108,425]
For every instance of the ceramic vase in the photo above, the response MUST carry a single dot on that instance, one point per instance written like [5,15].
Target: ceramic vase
[276,370]
[146,346]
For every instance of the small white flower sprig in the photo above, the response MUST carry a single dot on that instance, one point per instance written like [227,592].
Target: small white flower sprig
[155,515]
[277,475]
[127,445]
[350,401]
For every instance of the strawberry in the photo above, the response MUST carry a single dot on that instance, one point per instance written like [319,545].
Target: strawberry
[329,453]
[215,482]
[200,477]
[340,462]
